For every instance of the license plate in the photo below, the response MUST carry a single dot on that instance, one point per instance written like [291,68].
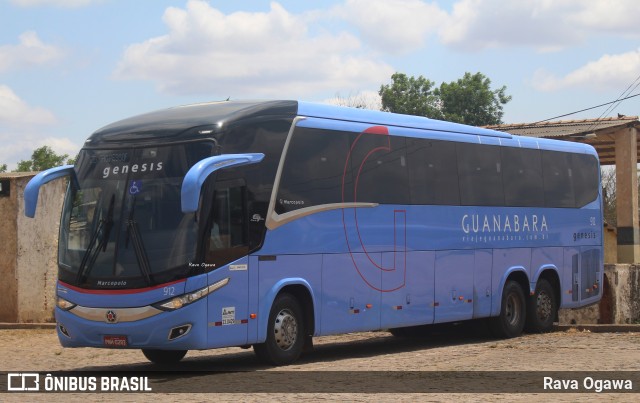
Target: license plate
[116,341]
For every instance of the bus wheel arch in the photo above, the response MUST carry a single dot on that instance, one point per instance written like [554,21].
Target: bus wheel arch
[285,331]
[511,319]
[542,306]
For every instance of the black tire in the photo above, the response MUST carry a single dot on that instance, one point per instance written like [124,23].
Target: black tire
[542,308]
[285,332]
[164,357]
[511,320]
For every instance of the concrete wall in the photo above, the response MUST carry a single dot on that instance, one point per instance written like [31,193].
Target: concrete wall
[8,254]
[620,302]
[28,252]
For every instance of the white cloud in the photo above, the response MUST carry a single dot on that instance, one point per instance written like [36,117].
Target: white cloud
[395,27]
[479,24]
[55,3]
[620,16]
[16,112]
[545,25]
[23,129]
[255,54]
[610,71]
[31,51]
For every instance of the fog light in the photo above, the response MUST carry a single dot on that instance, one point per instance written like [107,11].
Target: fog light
[179,331]
[64,330]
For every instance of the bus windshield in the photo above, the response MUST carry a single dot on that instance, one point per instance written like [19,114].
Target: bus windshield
[122,224]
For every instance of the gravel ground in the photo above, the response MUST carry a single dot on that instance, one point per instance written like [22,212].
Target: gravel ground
[358,355]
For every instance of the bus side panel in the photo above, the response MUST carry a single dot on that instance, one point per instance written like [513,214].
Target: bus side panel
[453,285]
[228,315]
[254,302]
[482,283]
[590,273]
[351,295]
[413,303]
[543,258]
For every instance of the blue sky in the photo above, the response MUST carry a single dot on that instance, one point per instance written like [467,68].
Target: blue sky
[69,67]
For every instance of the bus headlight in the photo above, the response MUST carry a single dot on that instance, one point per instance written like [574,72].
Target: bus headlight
[186,299]
[64,304]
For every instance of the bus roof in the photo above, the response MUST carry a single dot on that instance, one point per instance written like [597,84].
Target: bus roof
[174,122]
[391,119]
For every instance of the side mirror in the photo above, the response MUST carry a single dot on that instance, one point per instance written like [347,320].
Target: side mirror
[193,180]
[32,189]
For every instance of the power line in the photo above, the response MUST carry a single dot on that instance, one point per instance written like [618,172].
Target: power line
[588,109]
[613,106]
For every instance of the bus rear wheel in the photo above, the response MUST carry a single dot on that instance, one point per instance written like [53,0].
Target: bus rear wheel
[511,320]
[542,308]
[285,332]
[164,357]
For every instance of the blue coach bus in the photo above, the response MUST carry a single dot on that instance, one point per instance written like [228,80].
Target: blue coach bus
[268,223]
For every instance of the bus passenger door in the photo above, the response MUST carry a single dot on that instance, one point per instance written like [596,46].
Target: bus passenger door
[226,248]
[453,285]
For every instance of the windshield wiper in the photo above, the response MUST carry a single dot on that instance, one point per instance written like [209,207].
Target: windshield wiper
[133,233]
[91,254]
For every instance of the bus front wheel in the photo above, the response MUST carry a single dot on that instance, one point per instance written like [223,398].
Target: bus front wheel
[164,357]
[512,316]
[542,308]
[285,332]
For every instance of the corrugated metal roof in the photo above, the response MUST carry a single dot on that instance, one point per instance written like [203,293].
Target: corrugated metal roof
[565,128]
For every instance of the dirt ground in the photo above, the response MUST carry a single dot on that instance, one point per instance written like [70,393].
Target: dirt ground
[356,354]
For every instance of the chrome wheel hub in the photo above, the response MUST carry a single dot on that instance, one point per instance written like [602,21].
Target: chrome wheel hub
[285,329]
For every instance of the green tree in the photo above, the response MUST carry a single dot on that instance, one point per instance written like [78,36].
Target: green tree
[41,159]
[411,96]
[471,101]
[3,168]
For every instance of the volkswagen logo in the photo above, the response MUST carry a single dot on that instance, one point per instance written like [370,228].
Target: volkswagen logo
[111,316]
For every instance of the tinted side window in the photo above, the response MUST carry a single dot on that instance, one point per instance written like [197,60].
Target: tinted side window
[558,179]
[480,173]
[265,137]
[522,177]
[314,169]
[585,178]
[379,167]
[433,172]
